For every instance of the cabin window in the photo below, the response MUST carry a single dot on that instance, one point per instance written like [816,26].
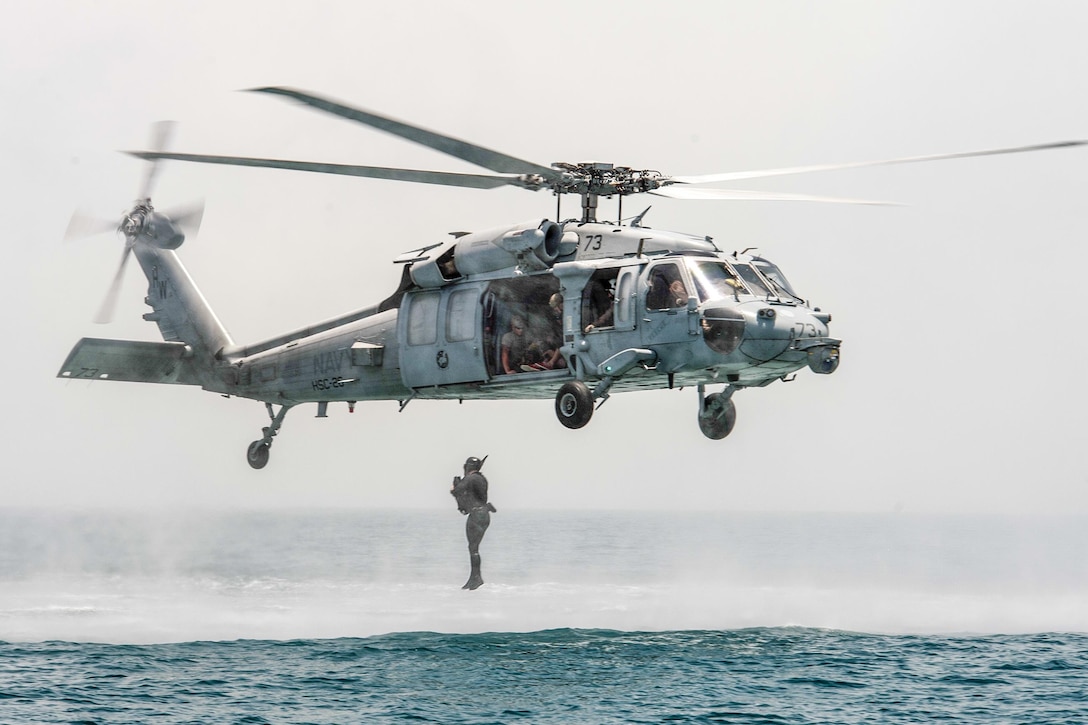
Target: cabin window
[461,316]
[625,291]
[423,319]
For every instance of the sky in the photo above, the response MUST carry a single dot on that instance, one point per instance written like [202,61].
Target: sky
[960,388]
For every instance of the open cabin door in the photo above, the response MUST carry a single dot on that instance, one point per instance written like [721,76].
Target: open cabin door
[441,338]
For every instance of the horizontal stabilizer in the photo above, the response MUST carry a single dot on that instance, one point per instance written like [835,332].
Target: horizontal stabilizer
[130,361]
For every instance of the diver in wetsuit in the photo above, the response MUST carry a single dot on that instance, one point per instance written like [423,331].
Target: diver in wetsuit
[471,495]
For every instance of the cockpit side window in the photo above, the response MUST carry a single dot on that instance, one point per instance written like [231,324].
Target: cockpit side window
[666,288]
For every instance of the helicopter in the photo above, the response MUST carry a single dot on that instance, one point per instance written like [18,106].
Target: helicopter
[574,310]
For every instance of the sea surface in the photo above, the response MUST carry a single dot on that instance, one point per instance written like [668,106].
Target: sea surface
[586,617]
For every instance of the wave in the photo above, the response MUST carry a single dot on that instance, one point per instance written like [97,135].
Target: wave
[789,675]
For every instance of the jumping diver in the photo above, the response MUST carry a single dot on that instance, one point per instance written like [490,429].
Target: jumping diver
[471,495]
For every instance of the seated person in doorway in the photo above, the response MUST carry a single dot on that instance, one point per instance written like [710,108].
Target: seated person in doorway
[597,299]
[544,352]
[514,346]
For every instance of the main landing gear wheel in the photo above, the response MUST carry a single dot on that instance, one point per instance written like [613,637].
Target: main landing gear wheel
[574,404]
[718,416]
[257,454]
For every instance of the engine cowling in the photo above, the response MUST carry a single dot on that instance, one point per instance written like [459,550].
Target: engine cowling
[530,246]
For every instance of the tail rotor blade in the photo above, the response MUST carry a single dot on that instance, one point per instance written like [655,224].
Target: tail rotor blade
[83,225]
[161,133]
[187,217]
[109,304]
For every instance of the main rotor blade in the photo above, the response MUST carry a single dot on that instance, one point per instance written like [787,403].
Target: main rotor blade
[684,192]
[476,181]
[464,150]
[160,139]
[109,304]
[738,175]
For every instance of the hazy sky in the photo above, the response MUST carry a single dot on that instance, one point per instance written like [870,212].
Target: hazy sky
[961,385]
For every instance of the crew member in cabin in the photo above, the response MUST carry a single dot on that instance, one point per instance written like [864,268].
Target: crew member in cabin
[514,346]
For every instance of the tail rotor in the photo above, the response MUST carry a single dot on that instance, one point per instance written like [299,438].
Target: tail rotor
[141,223]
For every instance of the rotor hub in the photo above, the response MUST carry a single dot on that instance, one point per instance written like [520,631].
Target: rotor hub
[136,221]
[604,179]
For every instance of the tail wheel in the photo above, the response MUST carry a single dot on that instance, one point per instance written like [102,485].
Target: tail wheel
[574,404]
[257,454]
[717,418]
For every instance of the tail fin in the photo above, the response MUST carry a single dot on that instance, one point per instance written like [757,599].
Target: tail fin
[178,307]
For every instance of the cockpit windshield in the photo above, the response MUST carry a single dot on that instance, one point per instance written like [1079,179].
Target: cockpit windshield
[752,280]
[714,280]
[776,278]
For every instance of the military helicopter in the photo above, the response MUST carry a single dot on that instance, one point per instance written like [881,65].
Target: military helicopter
[573,310]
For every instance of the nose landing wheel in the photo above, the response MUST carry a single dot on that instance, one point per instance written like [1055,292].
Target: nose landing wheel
[717,414]
[257,454]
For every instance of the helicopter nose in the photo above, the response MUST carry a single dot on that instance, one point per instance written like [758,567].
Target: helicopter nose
[811,338]
[821,354]
[786,336]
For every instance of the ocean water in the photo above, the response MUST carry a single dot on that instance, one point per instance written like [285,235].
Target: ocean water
[586,617]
